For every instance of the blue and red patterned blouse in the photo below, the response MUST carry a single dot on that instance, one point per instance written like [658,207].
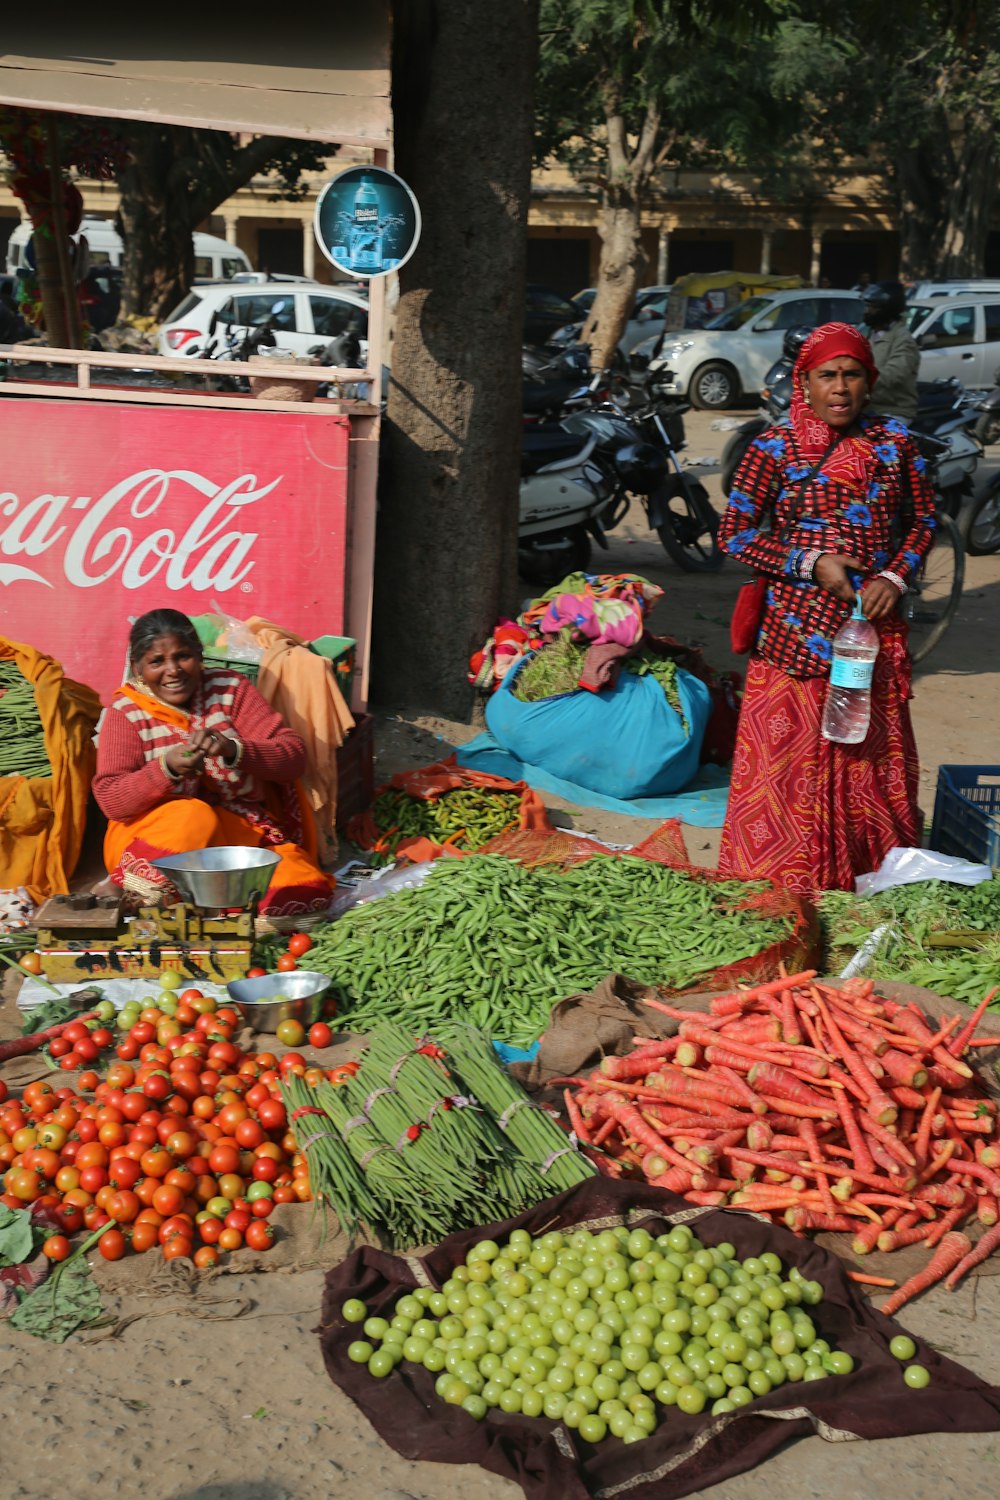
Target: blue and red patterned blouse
[887,522]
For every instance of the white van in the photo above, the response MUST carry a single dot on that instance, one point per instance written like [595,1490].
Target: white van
[214,259]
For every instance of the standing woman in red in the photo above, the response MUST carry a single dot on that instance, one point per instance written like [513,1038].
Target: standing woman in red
[832,503]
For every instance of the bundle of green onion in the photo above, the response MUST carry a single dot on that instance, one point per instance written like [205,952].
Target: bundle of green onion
[22,739]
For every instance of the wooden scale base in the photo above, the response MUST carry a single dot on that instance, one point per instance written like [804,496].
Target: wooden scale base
[88,937]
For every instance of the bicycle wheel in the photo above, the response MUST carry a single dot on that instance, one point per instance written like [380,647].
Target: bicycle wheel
[930,605]
[687,524]
[982,524]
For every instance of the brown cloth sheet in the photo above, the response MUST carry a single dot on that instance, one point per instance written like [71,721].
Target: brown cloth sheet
[686,1453]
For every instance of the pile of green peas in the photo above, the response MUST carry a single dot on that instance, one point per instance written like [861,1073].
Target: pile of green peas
[602,1330]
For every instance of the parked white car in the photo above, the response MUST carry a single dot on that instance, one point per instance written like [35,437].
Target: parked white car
[304,314]
[714,366]
[921,291]
[958,336]
[214,259]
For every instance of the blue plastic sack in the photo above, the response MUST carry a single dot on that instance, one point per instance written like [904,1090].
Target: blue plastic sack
[626,741]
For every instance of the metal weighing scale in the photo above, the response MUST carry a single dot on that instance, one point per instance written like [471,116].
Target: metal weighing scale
[207,935]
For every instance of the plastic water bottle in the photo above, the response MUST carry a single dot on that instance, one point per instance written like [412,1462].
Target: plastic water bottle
[848,708]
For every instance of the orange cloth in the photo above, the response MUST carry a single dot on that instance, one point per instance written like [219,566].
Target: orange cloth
[302,688]
[297,885]
[42,819]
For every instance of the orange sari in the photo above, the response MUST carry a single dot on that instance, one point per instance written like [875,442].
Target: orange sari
[280,819]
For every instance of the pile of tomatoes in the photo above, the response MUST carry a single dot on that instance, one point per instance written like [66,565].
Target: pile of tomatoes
[184,1143]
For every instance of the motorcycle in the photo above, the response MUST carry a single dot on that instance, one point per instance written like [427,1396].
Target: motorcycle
[563,494]
[227,347]
[554,384]
[988,426]
[639,450]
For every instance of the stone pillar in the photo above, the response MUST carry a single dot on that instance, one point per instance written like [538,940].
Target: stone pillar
[765,252]
[232,224]
[814,258]
[308,247]
[663,257]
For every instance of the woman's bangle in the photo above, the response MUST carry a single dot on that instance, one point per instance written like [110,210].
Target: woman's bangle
[808,561]
[232,764]
[172,776]
[894,579]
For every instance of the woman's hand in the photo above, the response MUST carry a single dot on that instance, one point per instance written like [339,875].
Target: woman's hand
[879,598]
[831,572]
[211,744]
[189,759]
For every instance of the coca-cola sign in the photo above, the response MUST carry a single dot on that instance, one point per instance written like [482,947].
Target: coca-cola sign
[106,512]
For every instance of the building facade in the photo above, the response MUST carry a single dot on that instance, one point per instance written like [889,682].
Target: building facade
[695,221]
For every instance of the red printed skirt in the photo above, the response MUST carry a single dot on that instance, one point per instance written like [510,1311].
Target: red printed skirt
[805,812]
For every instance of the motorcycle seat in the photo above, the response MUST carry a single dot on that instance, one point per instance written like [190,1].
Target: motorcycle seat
[544,447]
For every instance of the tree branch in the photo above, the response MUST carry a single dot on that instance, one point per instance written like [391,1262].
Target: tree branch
[643,158]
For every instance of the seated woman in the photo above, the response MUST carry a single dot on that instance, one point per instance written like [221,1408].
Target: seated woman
[194,758]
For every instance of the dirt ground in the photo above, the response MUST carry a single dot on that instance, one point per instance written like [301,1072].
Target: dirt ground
[190,1404]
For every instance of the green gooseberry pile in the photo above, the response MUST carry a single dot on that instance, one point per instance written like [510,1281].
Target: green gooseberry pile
[605,1330]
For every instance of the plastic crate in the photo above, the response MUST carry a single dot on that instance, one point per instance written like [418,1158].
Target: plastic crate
[339,651]
[356,770]
[247,669]
[967,813]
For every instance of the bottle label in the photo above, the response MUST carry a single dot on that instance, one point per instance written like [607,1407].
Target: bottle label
[851,674]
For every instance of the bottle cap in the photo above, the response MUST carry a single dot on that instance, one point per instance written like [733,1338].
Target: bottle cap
[859,611]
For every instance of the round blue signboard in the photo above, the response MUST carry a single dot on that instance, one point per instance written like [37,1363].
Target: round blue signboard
[367,221]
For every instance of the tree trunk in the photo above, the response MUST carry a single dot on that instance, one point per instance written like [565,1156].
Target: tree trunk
[50,289]
[918,174]
[450,455]
[968,203]
[620,226]
[623,261]
[155,223]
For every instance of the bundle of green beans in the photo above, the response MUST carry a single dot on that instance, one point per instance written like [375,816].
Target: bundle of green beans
[333,1173]
[433,1156]
[22,739]
[466,817]
[915,914]
[532,1129]
[557,667]
[487,941]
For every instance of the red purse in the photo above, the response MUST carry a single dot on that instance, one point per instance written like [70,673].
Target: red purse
[748,612]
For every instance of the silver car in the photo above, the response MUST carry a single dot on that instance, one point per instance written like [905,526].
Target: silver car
[714,366]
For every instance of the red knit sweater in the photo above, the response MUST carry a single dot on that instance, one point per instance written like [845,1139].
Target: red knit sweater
[128,783]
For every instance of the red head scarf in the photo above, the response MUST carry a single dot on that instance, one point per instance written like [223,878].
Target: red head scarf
[852,458]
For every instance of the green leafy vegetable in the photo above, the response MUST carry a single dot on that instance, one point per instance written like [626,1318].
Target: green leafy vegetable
[915,914]
[53,1012]
[68,1300]
[17,1239]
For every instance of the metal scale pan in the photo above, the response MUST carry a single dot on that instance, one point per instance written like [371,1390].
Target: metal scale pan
[222,879]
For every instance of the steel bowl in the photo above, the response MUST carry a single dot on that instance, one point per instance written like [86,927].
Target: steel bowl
[220,878]
[265,1002]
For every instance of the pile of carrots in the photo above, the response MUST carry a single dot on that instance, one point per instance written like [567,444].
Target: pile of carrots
[825,1108]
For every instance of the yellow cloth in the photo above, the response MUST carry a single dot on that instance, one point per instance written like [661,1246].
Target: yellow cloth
[301,687]
[42,820]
